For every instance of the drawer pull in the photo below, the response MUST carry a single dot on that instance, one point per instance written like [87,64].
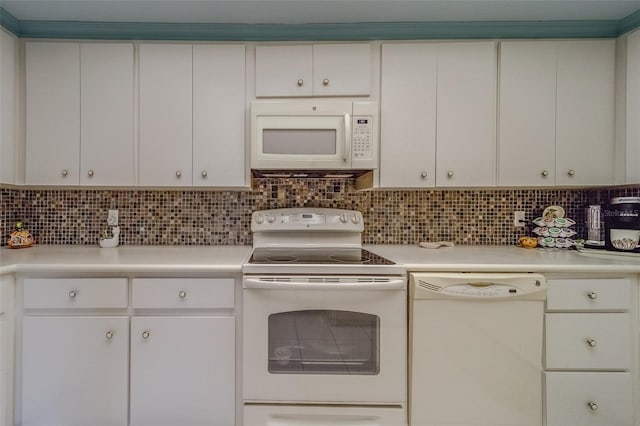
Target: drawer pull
[109,334]
[592,295]
[182,294]
[146,334]
[592,343]
[73,294]
[592,405]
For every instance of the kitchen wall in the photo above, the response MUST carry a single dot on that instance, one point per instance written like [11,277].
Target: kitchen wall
[194,217]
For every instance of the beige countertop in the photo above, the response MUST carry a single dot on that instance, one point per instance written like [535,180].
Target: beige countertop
[229,259]
[124,259]
[504,259]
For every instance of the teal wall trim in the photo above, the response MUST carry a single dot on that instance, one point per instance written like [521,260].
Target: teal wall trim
[9,22]
[322,32]
[630,22]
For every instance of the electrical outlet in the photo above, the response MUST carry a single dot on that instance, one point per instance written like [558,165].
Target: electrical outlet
[112,218]
[518,219]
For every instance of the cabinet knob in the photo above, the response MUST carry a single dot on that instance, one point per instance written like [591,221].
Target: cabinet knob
[571,172]
[178,174]
[423,175]
[146,334]
[65,173]
[450,174]
[182,294]
[204,173]
[592,405]
[545,173]
[73,294]
[300,82]
[592,295]
[592,343]
[90,173]
[109,334]
[325,82]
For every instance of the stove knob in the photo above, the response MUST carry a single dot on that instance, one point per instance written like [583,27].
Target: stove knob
[259,219]
[355,219]
[343,218]
[271,218]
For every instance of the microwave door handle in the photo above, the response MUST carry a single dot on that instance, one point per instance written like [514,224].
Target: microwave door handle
[347,138]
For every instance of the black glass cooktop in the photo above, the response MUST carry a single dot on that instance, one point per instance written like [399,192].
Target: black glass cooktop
[329,256]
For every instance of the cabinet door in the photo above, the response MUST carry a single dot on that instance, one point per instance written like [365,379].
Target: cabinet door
[218,115]
[585,112]
[632,154]
[466,130]
[342,69]
[165,114]
[52,113]
[8,48]
[74,371]
[408,115]
[182,371]
[284,70]
[106,125]
[527,116]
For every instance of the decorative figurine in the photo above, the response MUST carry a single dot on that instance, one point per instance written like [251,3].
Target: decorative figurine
[20,238]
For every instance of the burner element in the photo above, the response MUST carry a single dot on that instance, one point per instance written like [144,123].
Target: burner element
[282,259]
[350,259]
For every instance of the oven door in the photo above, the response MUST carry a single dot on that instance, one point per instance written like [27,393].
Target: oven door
[324,340]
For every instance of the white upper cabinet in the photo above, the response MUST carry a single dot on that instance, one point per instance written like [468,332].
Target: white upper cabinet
[408,115]
[192,115]
[466,114]
[106,123]
[53,113]
[556,113]
[165,114]
[219,115]
[632,151]
[438,114]
[585,112]
[313,70]
[79,120]
[8,49]
[341,69]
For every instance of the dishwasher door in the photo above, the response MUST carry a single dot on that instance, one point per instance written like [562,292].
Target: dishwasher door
[475,349]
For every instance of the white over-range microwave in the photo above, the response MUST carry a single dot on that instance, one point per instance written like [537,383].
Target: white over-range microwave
[314,135]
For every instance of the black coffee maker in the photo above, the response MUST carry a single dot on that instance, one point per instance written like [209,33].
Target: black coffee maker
[622,224]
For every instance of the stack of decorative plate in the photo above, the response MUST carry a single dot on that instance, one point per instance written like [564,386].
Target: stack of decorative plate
[553,229]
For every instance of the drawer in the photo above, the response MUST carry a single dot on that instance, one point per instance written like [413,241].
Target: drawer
[588,294]
[75,293]
[190,293]
[588,341]
[570,399]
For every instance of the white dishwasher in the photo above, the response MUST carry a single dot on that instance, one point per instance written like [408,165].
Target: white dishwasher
[475,349]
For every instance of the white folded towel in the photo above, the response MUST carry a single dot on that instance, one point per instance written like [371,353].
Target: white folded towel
[436,244]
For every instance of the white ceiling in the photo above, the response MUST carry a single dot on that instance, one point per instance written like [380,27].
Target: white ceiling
[317,11]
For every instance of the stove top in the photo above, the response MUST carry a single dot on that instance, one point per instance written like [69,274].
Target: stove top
[317,256]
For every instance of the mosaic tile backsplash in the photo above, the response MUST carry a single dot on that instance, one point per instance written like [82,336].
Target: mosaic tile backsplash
[190,217]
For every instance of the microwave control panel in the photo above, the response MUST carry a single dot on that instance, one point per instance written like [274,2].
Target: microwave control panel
[362,138]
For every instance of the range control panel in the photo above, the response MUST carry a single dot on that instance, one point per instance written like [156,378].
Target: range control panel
[307,218]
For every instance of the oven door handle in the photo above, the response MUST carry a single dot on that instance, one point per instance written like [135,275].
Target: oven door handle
[392,284]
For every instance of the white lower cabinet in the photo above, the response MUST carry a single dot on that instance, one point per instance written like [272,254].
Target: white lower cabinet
[182,371]
[589,352]
[589,399]
[74,371]
[92,356]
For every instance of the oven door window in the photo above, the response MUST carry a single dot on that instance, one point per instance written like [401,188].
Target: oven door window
[324,342]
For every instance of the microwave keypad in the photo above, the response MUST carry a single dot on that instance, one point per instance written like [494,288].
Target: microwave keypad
[362,134]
